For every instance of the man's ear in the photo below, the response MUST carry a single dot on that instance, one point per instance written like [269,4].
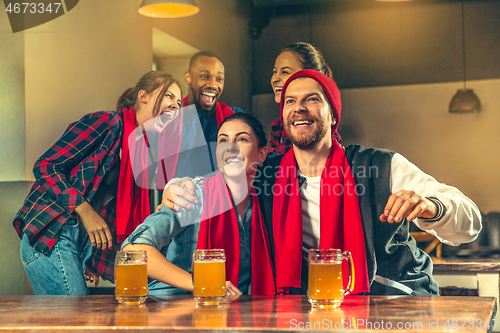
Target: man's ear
[334,120]
[187,78]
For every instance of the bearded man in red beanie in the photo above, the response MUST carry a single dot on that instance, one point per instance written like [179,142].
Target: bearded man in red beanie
[355,199]
[323,195]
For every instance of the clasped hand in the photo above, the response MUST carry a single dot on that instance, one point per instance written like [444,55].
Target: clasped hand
[172,195]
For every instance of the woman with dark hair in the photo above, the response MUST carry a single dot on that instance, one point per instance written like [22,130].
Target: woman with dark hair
[293,58]
[84,200]
[230,218]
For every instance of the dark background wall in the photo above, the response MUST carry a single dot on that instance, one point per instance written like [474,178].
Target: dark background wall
[398,65]
[369,43]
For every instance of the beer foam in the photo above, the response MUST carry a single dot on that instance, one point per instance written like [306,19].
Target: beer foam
[132,262]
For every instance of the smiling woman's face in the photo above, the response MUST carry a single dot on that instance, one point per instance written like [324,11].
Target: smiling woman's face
[285,65]
[170,102]
[237,149]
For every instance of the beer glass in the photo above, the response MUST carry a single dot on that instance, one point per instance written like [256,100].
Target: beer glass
[131,277]
[209,276]
[325,288]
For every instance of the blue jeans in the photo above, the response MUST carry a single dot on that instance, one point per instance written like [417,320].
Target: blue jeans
[61,272]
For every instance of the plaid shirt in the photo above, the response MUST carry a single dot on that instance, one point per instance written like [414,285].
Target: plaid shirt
[278,141]
[67,175]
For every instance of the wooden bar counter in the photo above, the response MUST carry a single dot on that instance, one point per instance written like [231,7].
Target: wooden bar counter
[247,313]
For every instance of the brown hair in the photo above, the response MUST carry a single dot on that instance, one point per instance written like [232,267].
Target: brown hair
[251,121]
[309,57]
[149,82]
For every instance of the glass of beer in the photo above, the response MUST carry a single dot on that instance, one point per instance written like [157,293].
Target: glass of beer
[209,276]
[325,288]
[131,277]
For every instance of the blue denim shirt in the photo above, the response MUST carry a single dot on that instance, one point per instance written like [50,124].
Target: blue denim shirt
[175,235]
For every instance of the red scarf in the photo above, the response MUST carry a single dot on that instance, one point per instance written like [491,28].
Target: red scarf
[219,230]
[169,146]
[132,200]
[222,111]
[341,226]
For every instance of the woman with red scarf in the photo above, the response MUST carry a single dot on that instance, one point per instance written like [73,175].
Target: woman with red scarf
[230,219]
[85,199]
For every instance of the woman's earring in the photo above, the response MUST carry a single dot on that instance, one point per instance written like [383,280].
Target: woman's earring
[260,163]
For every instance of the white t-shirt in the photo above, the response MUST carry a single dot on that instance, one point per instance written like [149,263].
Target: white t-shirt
[310,192]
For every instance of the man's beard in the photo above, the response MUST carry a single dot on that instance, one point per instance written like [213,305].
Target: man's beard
[202,111]
[306,142]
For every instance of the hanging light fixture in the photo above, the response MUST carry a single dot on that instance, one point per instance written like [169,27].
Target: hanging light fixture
[465,100]
[168,9]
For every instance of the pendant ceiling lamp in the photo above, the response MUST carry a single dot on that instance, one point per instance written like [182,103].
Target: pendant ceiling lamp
[168,9]
[464,101]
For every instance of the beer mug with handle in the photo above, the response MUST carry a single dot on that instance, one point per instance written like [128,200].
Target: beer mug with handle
[325,288]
